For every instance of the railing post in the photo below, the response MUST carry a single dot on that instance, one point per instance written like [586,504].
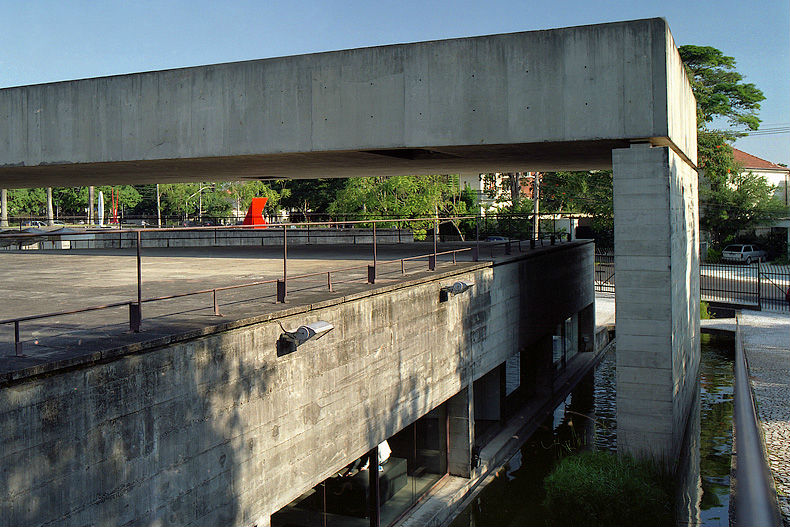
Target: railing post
[281,298]
[139,272]
[374,249]
[308,233]
[135,317]
[402,268]
[17,343]
[216,305]
[371,274]
[432,262]
[280,292]
[477,238]
[136,310]
[435,239]
[508,249]
[759,287]
[329,281]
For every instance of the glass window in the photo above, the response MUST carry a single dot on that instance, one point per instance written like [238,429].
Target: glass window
[565,341]
[512,373]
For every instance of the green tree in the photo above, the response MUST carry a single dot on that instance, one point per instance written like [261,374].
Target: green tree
[310,195]
[241,193]
[585,193]
[27,201]
[719,89]
[70,201]
[401,197]
[730,200]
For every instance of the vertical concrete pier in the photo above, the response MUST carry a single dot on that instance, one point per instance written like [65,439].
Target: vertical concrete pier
[657,297]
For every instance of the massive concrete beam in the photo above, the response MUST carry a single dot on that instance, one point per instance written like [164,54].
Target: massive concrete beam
[557,99]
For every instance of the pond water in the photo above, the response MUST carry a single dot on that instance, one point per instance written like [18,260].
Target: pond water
[587,419]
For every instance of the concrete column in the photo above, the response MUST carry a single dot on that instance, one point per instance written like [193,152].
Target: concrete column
[461,421]
[50,211]
[587,329]
[537,371]
[657,298]
[3,208]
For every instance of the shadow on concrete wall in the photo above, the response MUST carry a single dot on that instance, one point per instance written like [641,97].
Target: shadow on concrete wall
[155,438]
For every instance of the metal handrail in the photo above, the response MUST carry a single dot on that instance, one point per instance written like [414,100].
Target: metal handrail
[755,495]
[135,312]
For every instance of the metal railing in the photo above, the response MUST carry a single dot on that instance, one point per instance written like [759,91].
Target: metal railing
[754,286]
[369,271]
[135,305]
[732,284]
[755,495]
[604,272]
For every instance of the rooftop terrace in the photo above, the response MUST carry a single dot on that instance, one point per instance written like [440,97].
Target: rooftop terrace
[36,282]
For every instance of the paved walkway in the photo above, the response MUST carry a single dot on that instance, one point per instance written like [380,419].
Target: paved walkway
[766,340]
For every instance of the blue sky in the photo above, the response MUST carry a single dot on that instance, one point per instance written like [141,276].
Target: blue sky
[45,41]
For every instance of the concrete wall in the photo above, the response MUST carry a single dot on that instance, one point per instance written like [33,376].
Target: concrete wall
[271,236]
[681,105]
[657,298]
[219,430]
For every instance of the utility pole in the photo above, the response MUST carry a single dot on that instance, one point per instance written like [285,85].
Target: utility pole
[3,208]
[158,208]
[50,212]
[535,206]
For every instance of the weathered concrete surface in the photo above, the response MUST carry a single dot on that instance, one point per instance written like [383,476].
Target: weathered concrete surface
[555,99]
[219,430]
[657,298]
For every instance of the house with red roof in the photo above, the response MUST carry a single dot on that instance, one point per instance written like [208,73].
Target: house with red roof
[776,175]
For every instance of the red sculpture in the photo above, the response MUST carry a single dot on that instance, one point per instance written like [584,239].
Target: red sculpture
[255,213]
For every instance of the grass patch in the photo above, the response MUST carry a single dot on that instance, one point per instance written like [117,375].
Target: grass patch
[599,488]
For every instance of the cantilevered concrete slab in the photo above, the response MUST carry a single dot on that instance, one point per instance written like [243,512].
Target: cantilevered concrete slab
[572,98]
[538,100]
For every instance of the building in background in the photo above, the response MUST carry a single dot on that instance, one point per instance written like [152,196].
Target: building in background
[776,175]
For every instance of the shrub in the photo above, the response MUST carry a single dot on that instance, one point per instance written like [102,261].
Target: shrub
[704,314]
[713,255]
[599,488]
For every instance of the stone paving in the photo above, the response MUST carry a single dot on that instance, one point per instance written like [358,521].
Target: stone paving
[766,339]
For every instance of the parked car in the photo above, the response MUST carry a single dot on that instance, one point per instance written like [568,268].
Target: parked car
[743,253]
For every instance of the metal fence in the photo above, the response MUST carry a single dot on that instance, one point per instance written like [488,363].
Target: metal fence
[755,286]
[774,286]
[604,272]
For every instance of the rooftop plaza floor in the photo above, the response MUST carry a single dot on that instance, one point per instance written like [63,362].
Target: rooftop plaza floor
[35,282]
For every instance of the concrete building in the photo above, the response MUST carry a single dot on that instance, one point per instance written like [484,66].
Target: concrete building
[493,190]
[589,97]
